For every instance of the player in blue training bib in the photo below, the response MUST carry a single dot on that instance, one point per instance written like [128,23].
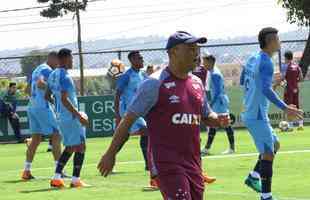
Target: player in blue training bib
[257,80]
[42,119]
[126,87]
[71,122]
[219,104]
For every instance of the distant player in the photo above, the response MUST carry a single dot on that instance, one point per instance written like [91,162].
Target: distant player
[219,103]
[256,79]
[126,87]
[71,122]
[42,119]
[293,76]
[174,103]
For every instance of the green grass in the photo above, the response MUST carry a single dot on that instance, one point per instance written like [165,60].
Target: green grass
[291,174]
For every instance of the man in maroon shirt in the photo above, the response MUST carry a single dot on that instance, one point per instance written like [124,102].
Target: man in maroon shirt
[292,77]
[173,102]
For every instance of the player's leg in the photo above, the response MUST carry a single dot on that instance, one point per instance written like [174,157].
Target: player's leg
[14,121]
[211,136]
[56,146]
[78,161]
[30,153]
[154,182]
[139,127]
[296,102]
[231,138]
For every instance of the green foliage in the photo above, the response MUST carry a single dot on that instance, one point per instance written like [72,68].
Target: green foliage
[298,11]
[59,8]
[32,60]
[98,86]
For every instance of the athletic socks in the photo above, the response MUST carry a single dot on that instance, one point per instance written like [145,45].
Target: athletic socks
[65,156]
[266,177]
[211,136]
[27,166]
[231,137]
[77,164]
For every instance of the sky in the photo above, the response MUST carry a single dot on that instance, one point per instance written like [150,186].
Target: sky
[122,18]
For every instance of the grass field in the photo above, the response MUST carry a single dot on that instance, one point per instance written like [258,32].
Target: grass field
[291,175]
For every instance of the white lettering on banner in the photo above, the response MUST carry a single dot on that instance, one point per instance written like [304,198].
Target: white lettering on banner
[185,118]
[100,125]
[98,107]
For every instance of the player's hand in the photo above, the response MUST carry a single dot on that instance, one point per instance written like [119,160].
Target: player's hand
[277,78]
[294,113]
[106,164]
[84,120]
[212,120]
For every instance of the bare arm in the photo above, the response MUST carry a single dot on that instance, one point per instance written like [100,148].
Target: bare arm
[41,84]
[48,96]
[65,101]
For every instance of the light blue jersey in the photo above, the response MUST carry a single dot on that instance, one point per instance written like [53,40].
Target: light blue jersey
[37,99]
[127,85]
[71,129]
[42,119]
[219,98]
[256,79]
[58,82]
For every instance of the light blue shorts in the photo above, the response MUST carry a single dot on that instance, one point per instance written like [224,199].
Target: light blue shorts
[221,105]
[263,135]
[72,132]
[42,121]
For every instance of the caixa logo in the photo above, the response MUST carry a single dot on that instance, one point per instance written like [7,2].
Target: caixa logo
[186,118]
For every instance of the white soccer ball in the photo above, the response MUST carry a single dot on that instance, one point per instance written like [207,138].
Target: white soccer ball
[284,126]
[116,69]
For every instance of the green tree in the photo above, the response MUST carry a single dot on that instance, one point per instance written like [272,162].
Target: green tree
[30,61]
[298,12]
[59,8]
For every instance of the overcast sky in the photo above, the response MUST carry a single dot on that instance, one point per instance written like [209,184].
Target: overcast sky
[123,18]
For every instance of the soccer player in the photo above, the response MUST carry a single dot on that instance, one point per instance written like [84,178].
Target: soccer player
[256,79]
[126,87]
[71,122]
[293,75]
[219,103]
[42,119]
[173,102]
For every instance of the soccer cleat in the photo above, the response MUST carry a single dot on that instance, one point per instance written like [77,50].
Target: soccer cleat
[254,183]
[269,198]
[154,183]
[228,151]
[79,184]
[207,179]
[57,183]
[26,176]
[205,152]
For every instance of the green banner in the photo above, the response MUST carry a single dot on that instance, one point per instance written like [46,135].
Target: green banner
[100,110]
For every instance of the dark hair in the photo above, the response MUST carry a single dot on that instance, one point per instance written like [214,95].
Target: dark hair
[52,54]
[150,67]
[132,53]
[63,53]
[210,58]
[263,34]
[288,55]
[12,84]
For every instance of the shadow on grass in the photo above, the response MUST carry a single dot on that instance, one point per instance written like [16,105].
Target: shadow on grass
[23,181]
[42,190]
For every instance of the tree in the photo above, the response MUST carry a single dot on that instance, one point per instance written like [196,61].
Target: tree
[298,11]
[31,61]
[59,8]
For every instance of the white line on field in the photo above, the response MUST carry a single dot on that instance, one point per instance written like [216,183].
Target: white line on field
[207,157]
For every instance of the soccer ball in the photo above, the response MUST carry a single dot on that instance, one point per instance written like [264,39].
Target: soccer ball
[117,68]
[284,126]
